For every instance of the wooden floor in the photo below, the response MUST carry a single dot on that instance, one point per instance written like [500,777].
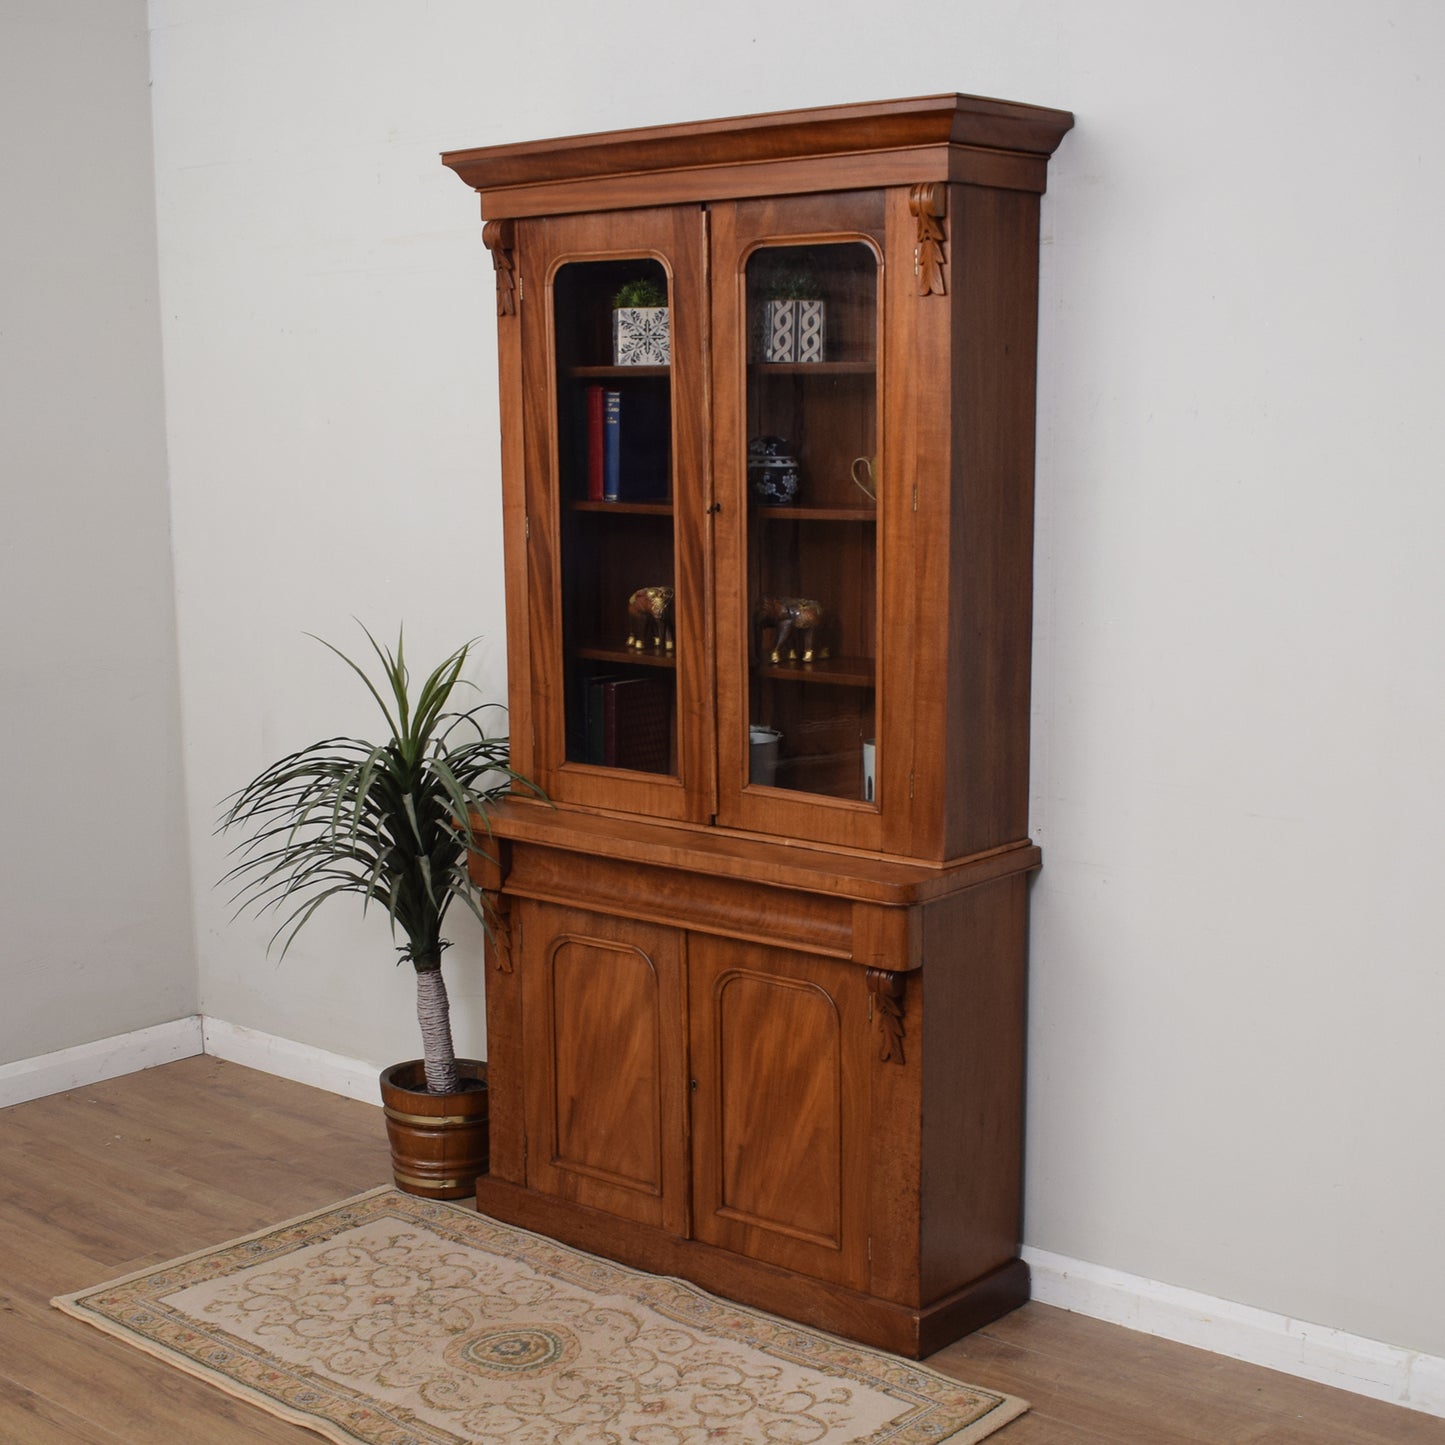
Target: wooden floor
[103,1180]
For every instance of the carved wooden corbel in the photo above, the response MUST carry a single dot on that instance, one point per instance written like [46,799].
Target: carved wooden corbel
[885,989]
[488,872]
[499,941]
[499,238]
[488,863]
[929,203]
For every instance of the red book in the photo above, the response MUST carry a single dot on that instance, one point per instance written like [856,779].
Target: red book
[595,445]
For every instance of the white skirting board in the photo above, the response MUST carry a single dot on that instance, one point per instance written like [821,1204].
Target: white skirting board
[1241,1332]
[104,1059]
[302,1064]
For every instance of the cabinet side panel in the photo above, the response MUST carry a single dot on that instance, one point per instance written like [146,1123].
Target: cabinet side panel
[994,238]
[973,1083]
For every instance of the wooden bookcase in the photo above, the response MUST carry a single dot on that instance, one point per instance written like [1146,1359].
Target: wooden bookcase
[755,1008]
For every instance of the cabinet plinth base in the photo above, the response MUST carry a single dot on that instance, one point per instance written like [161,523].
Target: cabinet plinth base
[914,1333]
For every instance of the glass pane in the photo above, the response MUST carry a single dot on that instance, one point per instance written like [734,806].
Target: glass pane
[812,427]
[614,452]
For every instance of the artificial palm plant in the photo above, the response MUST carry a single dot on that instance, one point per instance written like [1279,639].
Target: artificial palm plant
[390,821]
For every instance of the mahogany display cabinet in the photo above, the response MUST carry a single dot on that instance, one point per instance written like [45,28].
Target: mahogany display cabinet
[756,999]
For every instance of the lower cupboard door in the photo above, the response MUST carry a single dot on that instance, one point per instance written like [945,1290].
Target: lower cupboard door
[780,1112]
[605,1077]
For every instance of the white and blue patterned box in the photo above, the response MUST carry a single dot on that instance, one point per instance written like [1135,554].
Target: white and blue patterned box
[641,336]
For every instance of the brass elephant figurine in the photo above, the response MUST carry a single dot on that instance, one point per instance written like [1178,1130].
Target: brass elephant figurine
[649,619]
[785,617]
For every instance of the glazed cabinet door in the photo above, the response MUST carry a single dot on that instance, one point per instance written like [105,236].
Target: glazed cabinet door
[617,707]
[810,469]
[604,1072]
[781,1113]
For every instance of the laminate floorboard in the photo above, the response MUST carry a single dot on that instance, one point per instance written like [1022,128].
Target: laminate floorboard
[106,1179]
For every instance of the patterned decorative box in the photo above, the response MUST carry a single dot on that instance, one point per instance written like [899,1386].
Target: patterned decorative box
[794,330]
[812,317]
[780,330]
[641,336]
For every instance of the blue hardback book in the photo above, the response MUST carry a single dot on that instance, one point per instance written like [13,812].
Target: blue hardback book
[636,445]
[612,445]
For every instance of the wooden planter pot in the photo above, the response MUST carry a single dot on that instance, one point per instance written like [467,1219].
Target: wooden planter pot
[439,1142]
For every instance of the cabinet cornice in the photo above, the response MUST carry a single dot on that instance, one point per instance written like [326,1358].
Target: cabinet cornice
[938,137]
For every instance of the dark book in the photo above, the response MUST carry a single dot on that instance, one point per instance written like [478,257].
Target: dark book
[634,728]
[592,719]
[637,444]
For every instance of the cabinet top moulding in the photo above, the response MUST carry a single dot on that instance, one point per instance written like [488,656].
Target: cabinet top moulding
[929,138]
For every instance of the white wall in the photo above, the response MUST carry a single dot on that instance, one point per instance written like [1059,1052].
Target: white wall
[1235,1073]
[94,891]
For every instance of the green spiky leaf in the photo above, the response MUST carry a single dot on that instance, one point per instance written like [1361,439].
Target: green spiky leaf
[389,821]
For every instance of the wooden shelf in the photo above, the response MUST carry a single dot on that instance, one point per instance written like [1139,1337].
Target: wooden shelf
[628,657]
[831,672]
[619,373]
[818,514]
[816,775]
[628,509]
[813,368]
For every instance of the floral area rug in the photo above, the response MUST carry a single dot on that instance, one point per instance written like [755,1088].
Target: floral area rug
[393,1320]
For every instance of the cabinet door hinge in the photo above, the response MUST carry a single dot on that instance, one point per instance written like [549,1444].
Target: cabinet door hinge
[910,784]
[527,528]
[521,289]
[870,1249]
[915,496]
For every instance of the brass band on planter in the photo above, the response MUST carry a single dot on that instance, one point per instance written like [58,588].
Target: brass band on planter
[431,1121]
[420,1183]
